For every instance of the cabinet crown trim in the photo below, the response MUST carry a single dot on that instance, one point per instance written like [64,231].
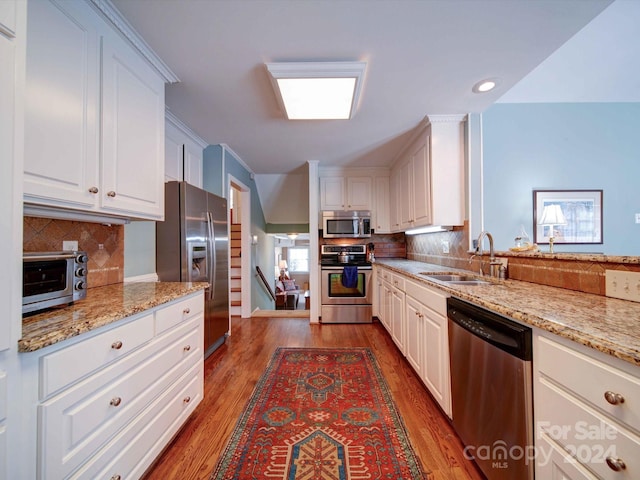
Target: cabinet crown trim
[176,122]
[124,28]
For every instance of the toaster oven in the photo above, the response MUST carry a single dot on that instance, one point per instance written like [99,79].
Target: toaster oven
[52,278]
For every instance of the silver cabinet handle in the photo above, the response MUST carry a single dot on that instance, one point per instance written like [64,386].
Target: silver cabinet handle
[186,348]
[616,464]
[186,399]
[111,194]
[186,311]
[116,345]
[93,190]
[115,401]
[613,398]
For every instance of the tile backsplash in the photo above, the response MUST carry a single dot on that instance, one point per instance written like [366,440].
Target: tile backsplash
[104,245]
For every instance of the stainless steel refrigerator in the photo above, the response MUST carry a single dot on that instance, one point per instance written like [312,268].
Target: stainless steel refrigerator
[192,245]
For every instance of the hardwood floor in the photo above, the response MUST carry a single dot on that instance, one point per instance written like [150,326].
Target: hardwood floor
[232,372]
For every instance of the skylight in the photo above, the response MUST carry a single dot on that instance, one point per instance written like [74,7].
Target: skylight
[317,91]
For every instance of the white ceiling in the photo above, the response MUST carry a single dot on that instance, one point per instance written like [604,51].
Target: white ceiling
[423,58]
[601,63]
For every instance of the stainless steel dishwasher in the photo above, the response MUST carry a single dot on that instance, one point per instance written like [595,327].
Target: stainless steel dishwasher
[491,390]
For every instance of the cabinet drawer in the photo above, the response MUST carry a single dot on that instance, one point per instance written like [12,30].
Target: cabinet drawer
[175,313]
[433,299]
[553,463]
[385,274]
[75,423]
[131,452]
[61,368]
[397,281]
[586,433]
[594,379]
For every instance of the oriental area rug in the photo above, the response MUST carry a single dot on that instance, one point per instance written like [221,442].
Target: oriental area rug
[319,413]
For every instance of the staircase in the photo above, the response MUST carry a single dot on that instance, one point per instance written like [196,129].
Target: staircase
[235,287]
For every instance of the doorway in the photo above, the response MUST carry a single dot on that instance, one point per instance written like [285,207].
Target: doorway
[240,251]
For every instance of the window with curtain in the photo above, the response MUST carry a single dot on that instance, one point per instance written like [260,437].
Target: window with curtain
[298,259]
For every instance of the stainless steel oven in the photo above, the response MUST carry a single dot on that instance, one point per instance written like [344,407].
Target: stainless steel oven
[345,301]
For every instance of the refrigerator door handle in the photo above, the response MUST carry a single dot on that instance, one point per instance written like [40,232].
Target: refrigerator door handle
[212,255]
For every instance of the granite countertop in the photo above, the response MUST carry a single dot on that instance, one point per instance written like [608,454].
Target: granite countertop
[102,306]
[606,324]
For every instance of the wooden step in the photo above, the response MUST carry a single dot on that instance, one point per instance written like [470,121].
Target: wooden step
[236,243]
[235,289]
[236,252]
[236,227]
[236,303]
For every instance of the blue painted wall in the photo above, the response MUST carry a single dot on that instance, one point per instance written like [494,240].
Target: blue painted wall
[218,163]
[562,147]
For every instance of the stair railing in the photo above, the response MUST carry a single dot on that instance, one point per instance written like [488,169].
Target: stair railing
[266,284]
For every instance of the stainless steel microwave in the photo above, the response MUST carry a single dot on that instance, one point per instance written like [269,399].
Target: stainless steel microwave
[346,224]
[52,278]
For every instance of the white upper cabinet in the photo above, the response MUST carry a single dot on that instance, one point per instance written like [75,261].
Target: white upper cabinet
[381,205]
[61,154]
[420,184]
[94,120]
[345,193]
[447,144]
[332,193]
[358,193]
[427,180]
[133,133]
[183,152]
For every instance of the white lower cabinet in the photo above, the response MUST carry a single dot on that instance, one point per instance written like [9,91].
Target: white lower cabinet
[556,464]
[415,316]
[586,412]
[393,307]
[428,340]
[119,411]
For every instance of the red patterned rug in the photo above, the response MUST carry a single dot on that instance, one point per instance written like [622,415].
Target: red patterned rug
[319,413]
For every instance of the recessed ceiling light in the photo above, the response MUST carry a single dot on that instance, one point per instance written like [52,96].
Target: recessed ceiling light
[317,90]
[485,85]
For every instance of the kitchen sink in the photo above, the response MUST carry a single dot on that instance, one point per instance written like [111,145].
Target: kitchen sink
[457,279]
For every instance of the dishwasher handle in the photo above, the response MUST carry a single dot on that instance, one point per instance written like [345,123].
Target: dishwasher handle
[491,327]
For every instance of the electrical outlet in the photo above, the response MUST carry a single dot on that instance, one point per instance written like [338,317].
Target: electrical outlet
[445,246]
[70,245]
[637,217]
[622,284]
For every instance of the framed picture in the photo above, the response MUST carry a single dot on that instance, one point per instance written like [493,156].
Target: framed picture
[579,216]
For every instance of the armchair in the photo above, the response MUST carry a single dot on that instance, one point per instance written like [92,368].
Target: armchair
[287,294]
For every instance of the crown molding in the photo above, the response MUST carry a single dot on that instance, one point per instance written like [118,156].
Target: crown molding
[124,28]
[179,124]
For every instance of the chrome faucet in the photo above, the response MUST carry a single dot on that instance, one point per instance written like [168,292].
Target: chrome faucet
[494,264]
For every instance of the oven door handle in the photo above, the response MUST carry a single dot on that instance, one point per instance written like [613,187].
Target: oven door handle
[337,267]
